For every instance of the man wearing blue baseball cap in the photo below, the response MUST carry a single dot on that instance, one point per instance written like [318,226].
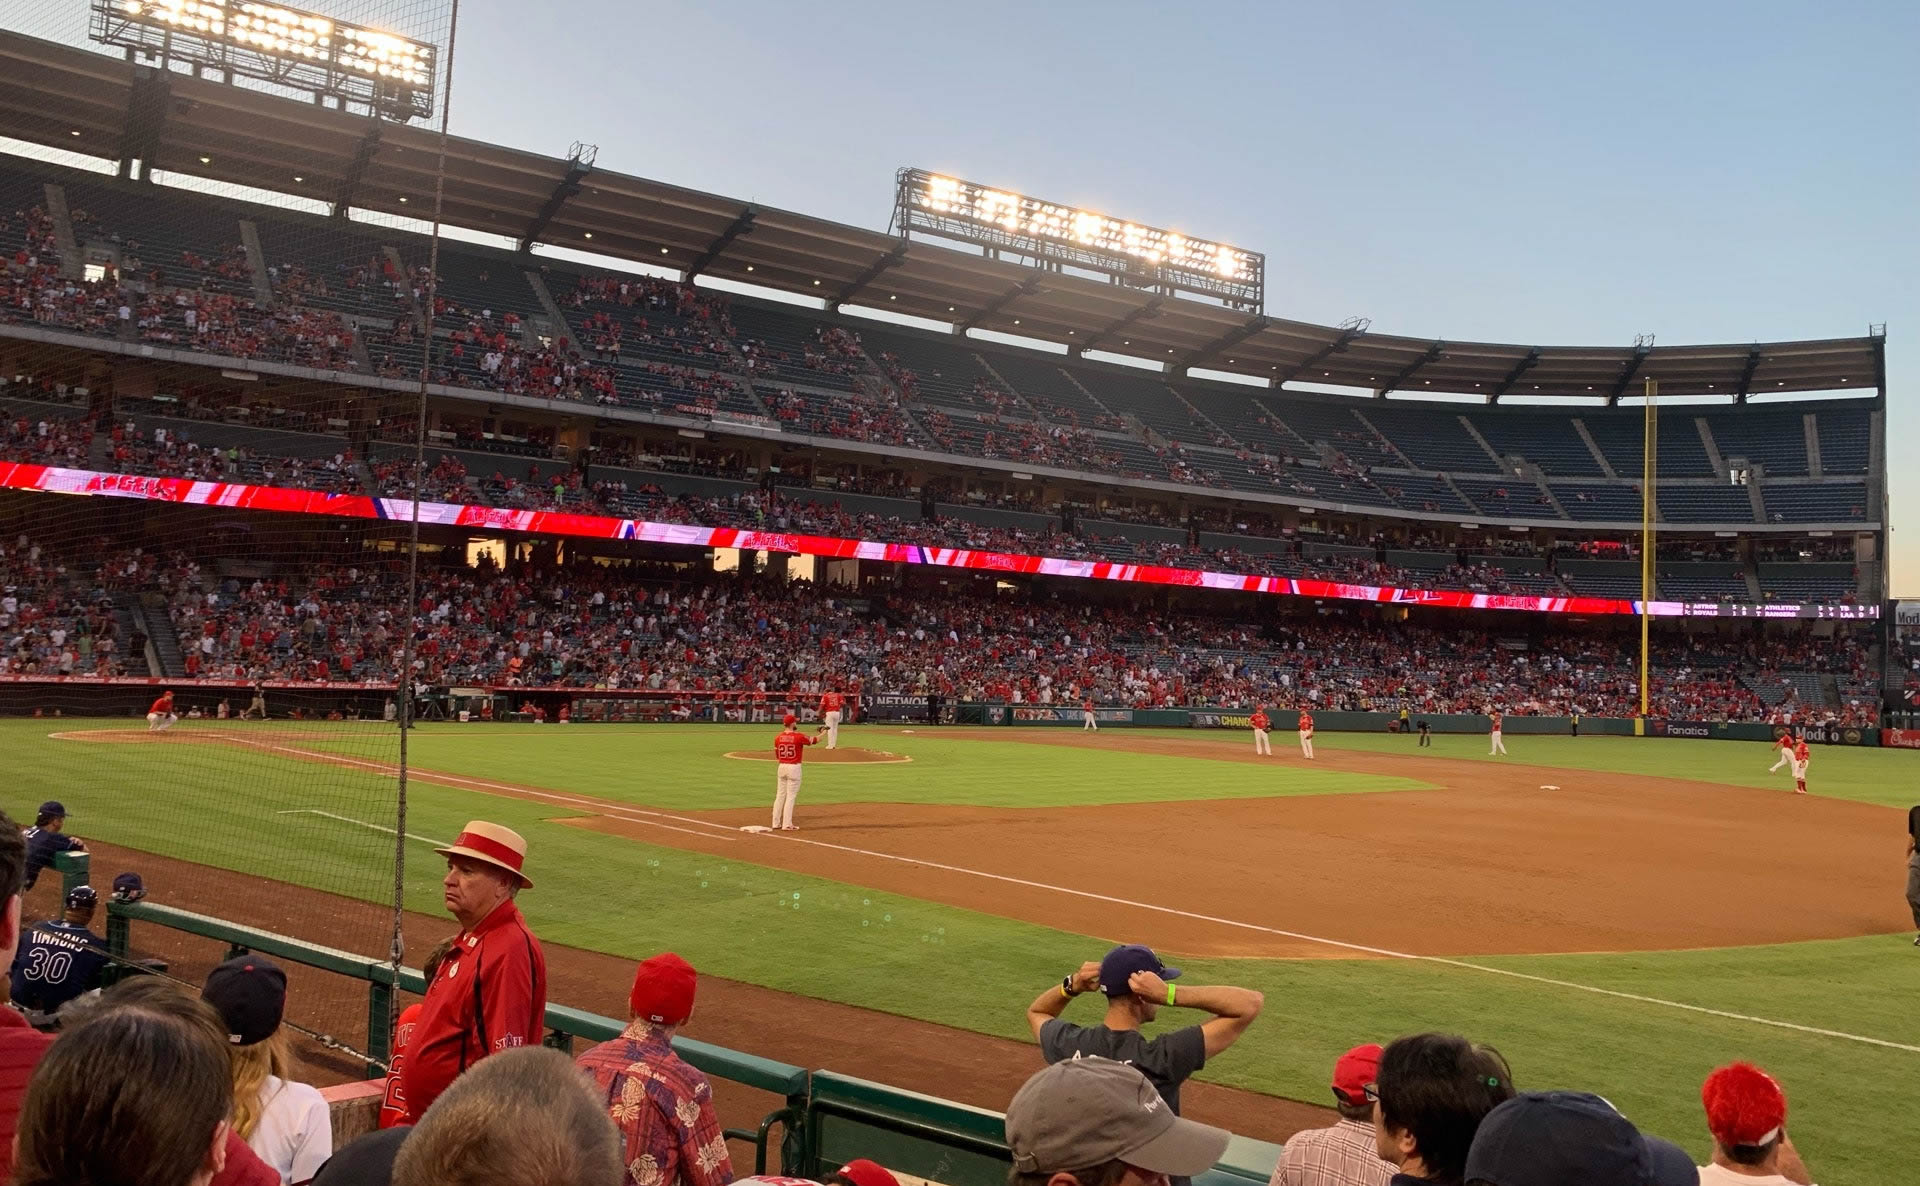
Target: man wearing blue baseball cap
[1136,984]
[1570,1138]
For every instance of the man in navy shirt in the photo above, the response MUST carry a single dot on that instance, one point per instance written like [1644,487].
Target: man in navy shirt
[47,839]
[60,960]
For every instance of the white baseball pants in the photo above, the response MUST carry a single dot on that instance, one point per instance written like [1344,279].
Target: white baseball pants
[160,722]
[1306,744]
[1260,743]
[1499,746]
[1088,724]
[832,722]
[786,790]
[1786,759]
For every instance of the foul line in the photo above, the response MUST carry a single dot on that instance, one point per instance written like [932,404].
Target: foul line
[651,818]
[346,819]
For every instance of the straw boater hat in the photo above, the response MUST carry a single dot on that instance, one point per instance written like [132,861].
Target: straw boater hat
[503,848]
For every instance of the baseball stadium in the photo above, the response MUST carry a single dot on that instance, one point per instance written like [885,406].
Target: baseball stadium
[360,481]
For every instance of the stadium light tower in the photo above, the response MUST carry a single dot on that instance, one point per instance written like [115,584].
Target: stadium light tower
[1054,237]
[381,72]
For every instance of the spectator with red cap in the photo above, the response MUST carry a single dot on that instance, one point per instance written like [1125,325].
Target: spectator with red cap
[662,1106]
[1344,1154]
[491,993]
[1747,1115]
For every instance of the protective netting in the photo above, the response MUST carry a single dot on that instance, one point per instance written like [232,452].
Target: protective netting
[212,692]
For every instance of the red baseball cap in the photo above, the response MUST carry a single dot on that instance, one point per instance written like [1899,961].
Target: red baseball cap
[663,990]
[1355,1071]
[788,719]
[1745,1105]
[868,1173]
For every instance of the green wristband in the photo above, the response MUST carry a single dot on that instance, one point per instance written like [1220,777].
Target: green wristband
[1170,991]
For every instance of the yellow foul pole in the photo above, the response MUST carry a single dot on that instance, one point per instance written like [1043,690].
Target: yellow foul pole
[1649,463]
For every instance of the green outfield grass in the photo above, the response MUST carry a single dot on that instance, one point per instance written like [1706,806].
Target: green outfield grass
[734,918]
[683,768]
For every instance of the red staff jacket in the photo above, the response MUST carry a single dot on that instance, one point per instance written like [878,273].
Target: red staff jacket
[490,995]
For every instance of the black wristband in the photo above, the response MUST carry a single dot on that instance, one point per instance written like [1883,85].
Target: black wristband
[1066,986]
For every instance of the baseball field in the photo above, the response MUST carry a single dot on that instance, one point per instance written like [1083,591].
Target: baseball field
[1618,915]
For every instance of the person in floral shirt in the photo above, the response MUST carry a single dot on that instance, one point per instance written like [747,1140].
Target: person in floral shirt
[662,1107]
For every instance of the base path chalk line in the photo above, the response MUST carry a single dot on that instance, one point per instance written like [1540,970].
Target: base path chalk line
[1361,947]
[641,816]
[347,819]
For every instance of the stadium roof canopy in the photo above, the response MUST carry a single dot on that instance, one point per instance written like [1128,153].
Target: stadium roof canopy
[79,100]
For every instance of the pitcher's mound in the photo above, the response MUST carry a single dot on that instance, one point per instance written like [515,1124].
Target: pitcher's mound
[846,755]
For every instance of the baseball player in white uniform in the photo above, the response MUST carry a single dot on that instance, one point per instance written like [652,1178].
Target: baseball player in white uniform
[830,717]
[788,750]
[1499,746]
[1088,723]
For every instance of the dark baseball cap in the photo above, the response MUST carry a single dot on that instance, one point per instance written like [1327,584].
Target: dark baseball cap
[1118,966]
[1570,1138]
[54,807]
[128,887]
[82,897]
[250,994]
[1089,1111]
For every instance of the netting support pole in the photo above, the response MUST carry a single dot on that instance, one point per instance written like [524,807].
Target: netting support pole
[405,679]
[1649,464]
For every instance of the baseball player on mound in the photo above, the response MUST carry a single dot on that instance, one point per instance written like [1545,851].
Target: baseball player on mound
[1260,723]
[1786,753]
[830,703]
[1306,733]
[1801,755]
[1498,746]
[788,750]
[161,716]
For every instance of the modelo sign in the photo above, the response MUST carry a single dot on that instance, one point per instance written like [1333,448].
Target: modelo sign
[1834,735]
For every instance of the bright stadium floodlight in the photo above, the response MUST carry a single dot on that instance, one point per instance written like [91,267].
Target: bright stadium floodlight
[383,72]
[1065,236]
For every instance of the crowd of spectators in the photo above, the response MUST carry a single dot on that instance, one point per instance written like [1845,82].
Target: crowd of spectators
[592,627]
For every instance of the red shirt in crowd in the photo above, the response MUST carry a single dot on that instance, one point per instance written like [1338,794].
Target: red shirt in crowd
[790,747]
[20,1049]
[393,1106]
[489,995]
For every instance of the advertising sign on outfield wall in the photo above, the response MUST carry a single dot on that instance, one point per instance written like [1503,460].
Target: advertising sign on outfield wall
[1901,738]
[193,492]
[1031,714]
